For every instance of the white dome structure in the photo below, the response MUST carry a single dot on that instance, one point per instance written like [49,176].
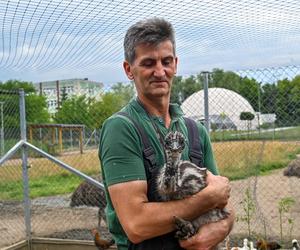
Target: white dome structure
[225,107]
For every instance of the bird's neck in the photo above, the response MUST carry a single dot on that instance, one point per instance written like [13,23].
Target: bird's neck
[172,160]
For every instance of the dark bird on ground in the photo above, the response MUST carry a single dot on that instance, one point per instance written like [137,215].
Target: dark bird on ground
[293,169]
[99,242]
[179,179]
[87,194]
[267,245]
[295,245]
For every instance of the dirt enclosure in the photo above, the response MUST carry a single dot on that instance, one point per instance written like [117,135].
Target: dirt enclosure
[267,191]
[52,217]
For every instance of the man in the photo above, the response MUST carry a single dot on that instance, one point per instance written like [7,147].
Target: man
[136,221]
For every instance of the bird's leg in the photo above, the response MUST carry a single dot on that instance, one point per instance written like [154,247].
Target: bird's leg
[185,229]
[101,216]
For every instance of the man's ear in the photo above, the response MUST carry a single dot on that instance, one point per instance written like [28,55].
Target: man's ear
[127,69]
[176,63]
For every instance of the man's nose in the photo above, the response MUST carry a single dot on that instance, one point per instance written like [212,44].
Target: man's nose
[159,70]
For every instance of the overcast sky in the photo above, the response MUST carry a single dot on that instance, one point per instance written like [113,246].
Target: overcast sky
[63,39]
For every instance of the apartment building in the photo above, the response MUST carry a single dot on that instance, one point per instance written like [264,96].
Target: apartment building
[55,90]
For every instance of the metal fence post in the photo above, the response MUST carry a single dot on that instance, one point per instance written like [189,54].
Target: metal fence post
[24,165]
[2,130]
[206,105]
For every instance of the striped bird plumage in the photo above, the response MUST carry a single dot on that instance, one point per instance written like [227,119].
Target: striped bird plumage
[178,179]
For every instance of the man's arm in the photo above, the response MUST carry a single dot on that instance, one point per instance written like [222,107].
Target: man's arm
[210,235]
[143,220]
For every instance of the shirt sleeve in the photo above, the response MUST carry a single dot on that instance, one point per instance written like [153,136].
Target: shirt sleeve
[120,152]
[209,159]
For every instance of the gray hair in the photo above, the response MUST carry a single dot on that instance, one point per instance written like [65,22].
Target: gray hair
[150,31]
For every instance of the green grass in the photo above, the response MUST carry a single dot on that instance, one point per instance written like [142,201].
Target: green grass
[257,170]
[66,182]
[235,159]
[288,134]
[239,159]
[43,186]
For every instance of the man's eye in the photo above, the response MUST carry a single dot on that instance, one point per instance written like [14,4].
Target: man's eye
[167,62]
[147,63]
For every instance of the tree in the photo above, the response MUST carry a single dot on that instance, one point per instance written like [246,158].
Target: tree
[36,109]
[250,90]
[75,110]
[15,85]
[64,95]
[111,102]
[124,91]
[228,80]
[269,95]
[183,88]
[286,105]
[246,87]
[176,90]
[101,110]
[247,116]
[35,105]
[295,100]
[190,86]
[92,112]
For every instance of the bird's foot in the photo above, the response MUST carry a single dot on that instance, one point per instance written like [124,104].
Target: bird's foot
[184,229]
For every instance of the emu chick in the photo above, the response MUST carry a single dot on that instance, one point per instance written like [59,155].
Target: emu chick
[178,179]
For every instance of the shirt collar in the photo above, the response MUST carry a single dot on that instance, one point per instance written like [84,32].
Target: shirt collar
[174,109]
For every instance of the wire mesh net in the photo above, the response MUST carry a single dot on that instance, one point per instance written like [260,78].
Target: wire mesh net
[257,151]
[9,115]
[253,111]
[55,39]
[12,209]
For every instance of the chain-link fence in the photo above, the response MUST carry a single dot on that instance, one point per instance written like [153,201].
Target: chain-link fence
[253,117]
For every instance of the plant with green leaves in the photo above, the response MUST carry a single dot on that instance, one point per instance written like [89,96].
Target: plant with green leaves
[291,227]
[284,206]
[249,209]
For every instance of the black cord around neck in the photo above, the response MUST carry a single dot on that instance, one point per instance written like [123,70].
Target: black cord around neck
[159,135]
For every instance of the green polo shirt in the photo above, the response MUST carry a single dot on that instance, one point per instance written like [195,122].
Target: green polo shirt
[121,152]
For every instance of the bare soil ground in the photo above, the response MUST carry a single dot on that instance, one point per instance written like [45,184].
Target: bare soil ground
[53,217]
[266,192]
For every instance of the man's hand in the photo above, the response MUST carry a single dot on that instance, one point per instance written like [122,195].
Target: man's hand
[210,235]
[220,187]
[207,238]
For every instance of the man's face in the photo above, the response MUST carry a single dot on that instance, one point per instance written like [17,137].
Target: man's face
[153,69]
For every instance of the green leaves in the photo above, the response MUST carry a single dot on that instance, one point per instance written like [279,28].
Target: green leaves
[183,88]
[93,112]
[249,209]
[246,116]
[284,206]
[36,106]
[15,85]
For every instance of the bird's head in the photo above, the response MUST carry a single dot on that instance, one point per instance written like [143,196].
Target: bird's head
[261,244]
[295,243]
[174,142]
[94,231]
